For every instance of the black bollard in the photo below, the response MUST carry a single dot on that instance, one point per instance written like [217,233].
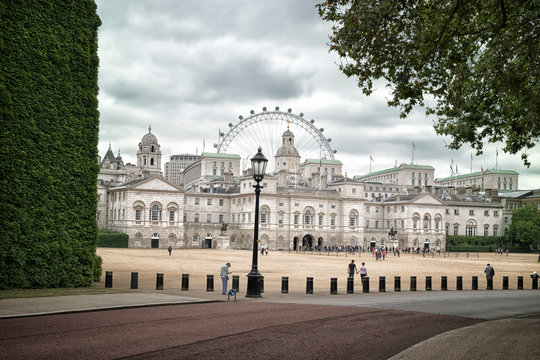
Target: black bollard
[413,283]
[459,283]
[397,283]
[262,284]
[444,283]
[489,283]
[534,282]
[309,285]
[475,283]
[209,282]
[505,283]
[159,281]
[428,283]
[520,283]
[350,285]
[185,282]
[236,282]
[365,285]
[108,279]
[333,286]
[382,284]
[284,284]
[134,280]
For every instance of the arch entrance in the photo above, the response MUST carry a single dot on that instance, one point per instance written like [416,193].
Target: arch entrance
[372,244]
[307,242]
[295,243]
[320,243]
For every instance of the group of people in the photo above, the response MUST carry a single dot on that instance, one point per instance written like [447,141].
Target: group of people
[353,270]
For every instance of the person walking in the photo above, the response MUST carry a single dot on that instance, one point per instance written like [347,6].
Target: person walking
[490,273]
[352,268]
[225,277]
[363,271]
[170,250]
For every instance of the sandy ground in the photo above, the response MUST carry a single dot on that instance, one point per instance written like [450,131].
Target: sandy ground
[298,266]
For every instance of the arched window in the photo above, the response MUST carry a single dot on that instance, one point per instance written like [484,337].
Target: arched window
[152,148]
[138,238]
[171,239]
[195,239]
[470,229]
[307,218]
[264,215]
[233,238]
[155,213]
[151,161]
[426,222]
[353,218]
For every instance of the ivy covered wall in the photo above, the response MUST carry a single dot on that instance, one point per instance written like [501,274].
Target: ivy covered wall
[48,144]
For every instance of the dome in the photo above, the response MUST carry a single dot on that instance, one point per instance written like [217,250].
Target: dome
[287,148]
[149,139]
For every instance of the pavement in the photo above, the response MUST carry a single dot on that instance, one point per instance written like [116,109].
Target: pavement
[509,327]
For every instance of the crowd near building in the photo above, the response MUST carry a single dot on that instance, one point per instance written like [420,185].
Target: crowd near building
[207,201]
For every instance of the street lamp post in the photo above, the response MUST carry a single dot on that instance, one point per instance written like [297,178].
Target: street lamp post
[258,166]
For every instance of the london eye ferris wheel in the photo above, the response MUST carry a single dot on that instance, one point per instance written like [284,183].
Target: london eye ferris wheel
[265,129]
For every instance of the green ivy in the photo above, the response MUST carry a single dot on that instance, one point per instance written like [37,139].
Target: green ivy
[49,136]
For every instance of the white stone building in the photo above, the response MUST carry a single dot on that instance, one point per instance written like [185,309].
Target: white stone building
[305,204]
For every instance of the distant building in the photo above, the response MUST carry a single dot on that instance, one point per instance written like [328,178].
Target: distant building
[488,179]
[303,205]
[174,168]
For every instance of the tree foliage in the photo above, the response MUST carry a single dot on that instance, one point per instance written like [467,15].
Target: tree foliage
[479,60]
[49,135]
[525,226]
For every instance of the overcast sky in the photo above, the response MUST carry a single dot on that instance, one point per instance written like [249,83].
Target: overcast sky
[189,68]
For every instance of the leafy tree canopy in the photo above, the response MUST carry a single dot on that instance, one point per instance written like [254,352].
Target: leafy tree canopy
[479,60]
[525,225]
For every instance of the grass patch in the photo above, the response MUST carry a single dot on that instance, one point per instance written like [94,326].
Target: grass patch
[30,293]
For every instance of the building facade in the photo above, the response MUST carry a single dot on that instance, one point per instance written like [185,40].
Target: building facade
[303,205]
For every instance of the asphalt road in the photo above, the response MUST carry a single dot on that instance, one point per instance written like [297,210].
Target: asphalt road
[233,330]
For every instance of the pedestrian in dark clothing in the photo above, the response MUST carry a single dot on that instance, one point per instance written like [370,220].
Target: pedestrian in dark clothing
[170,250]
[352,268]
[490,273]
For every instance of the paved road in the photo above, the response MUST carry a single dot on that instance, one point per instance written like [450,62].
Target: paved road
[423,325]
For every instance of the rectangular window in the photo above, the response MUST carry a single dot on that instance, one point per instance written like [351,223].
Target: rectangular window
[208,218]
[495,231]
[296,219]
[486,231]
[486,212]
[456,229]
[196,201]
[367,224]
[333,221]
[171,216]
[495,213]
[196,218]
[367,209]
[184,217]
[376,224]
[220,218]
[320,220]
[208,201]
[280,219]
[447,211]
[456,211]
[471,212]
[280,204]
[333,206]
[138,215]
[220,202]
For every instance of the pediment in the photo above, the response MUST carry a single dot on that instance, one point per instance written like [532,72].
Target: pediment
[156,184]
[427,199]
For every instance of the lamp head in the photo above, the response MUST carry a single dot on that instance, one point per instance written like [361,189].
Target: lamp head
[258,165]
